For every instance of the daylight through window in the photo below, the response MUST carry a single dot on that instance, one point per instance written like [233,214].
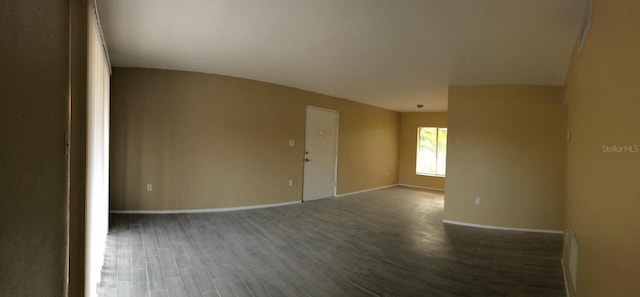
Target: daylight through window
[431,157]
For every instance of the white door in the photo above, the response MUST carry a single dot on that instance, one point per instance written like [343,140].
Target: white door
[321,152]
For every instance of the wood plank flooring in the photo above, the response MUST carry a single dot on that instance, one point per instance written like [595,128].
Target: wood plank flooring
[389,242]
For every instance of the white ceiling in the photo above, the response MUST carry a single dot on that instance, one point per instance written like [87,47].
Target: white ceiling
[388,53]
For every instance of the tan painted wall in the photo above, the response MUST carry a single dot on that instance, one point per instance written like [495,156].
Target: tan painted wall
[506,145]
[78,146]
[409,123]
[211,141]
[34,54]
[603,192]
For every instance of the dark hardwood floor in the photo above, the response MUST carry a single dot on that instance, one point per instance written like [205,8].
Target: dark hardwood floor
[389,242]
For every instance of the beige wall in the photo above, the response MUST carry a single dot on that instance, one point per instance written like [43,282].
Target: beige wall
[603,192]
[78,146]
[506,145]
[409,123]
[34,54]
[211,141]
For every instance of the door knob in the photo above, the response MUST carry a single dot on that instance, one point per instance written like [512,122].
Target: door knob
[307,160]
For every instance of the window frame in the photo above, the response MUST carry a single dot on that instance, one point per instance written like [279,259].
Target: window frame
[436,149]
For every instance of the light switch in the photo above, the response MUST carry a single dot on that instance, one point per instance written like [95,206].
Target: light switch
[149,187]
[292,142]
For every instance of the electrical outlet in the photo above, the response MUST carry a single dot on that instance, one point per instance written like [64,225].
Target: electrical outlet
[149,187]
[290,183]
[477,201]
[292,142]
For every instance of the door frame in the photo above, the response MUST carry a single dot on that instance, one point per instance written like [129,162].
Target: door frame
[336,155]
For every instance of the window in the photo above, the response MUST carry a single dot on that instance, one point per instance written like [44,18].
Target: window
[431,158]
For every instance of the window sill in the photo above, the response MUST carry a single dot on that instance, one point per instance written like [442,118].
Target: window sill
[430,175]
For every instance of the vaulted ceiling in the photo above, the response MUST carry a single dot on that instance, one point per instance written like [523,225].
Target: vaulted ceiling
[393,54]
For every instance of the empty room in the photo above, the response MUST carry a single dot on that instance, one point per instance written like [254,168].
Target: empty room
[320,148]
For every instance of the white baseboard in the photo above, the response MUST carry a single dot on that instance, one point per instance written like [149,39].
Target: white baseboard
[419,187]
[502,228]
[367,190]
[202,210]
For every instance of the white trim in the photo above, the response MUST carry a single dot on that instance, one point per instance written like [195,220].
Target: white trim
[203,209]
[320,108]
[335,165]
[367,190]
[104,41]
[586,25]
[564,275]
[419,187]
[502,228]
[430,175]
